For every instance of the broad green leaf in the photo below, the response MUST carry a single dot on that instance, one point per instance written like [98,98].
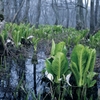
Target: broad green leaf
[75,72]
[49,66]
[82,62]
[59,65]
[61,47]
[93,59]
[78,62]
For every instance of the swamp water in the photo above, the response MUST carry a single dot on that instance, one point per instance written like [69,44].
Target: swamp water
[18,81]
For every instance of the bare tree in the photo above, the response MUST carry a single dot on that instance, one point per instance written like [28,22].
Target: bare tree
[45,12]
[92,17]
[17,10]
[86,13]
[38,13]
[96,12]
[1,6]
[98,23]
[6,10]
[66,2]
[55,9]
[79,15]
[53,12]
[26,17]
[97,17]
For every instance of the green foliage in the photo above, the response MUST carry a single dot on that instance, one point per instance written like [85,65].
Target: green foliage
[70,36]
[58,67]
[82,64]
[2,40]
[36,98]
[35,42]
[82,57]
[94,40]
[57,64]
[48,31]
[16,32]
[4,35]
[60,47]
[89,80]
[82,67]
[74,37]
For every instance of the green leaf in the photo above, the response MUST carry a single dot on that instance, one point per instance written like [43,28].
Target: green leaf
[82,63]
[61,47]
[59,65]
[91,75]
[93,59]
[53,48]
[89,79]
[49,66]
[35,42]
[75,71]
[92,83]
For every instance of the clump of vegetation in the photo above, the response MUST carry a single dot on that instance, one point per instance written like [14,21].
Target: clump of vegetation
[81,66]
[58,69]
[94,41]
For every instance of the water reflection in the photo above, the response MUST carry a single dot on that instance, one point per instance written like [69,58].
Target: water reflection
[15,74]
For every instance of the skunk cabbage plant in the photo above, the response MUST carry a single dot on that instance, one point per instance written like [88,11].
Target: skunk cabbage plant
[82,65]
[60,47]
[57,64]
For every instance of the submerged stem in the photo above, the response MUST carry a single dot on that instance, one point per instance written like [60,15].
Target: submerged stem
[34,61]
[35,79]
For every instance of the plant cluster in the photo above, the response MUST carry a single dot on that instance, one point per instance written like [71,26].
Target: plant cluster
[94,40]
[16,32]
[81,67]
[59,70]
[48,31]
[25,31]
[70,36]
[74,36]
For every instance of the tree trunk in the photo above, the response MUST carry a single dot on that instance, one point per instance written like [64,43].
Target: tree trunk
[96,12]
[79,15]
[67,13]
[92,18]
[18,6]
[1,6]
[26,17]
[55,9]
[86,13]
[98,23]
[38,13]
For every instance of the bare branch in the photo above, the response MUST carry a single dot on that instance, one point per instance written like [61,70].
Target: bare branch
[18,11]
